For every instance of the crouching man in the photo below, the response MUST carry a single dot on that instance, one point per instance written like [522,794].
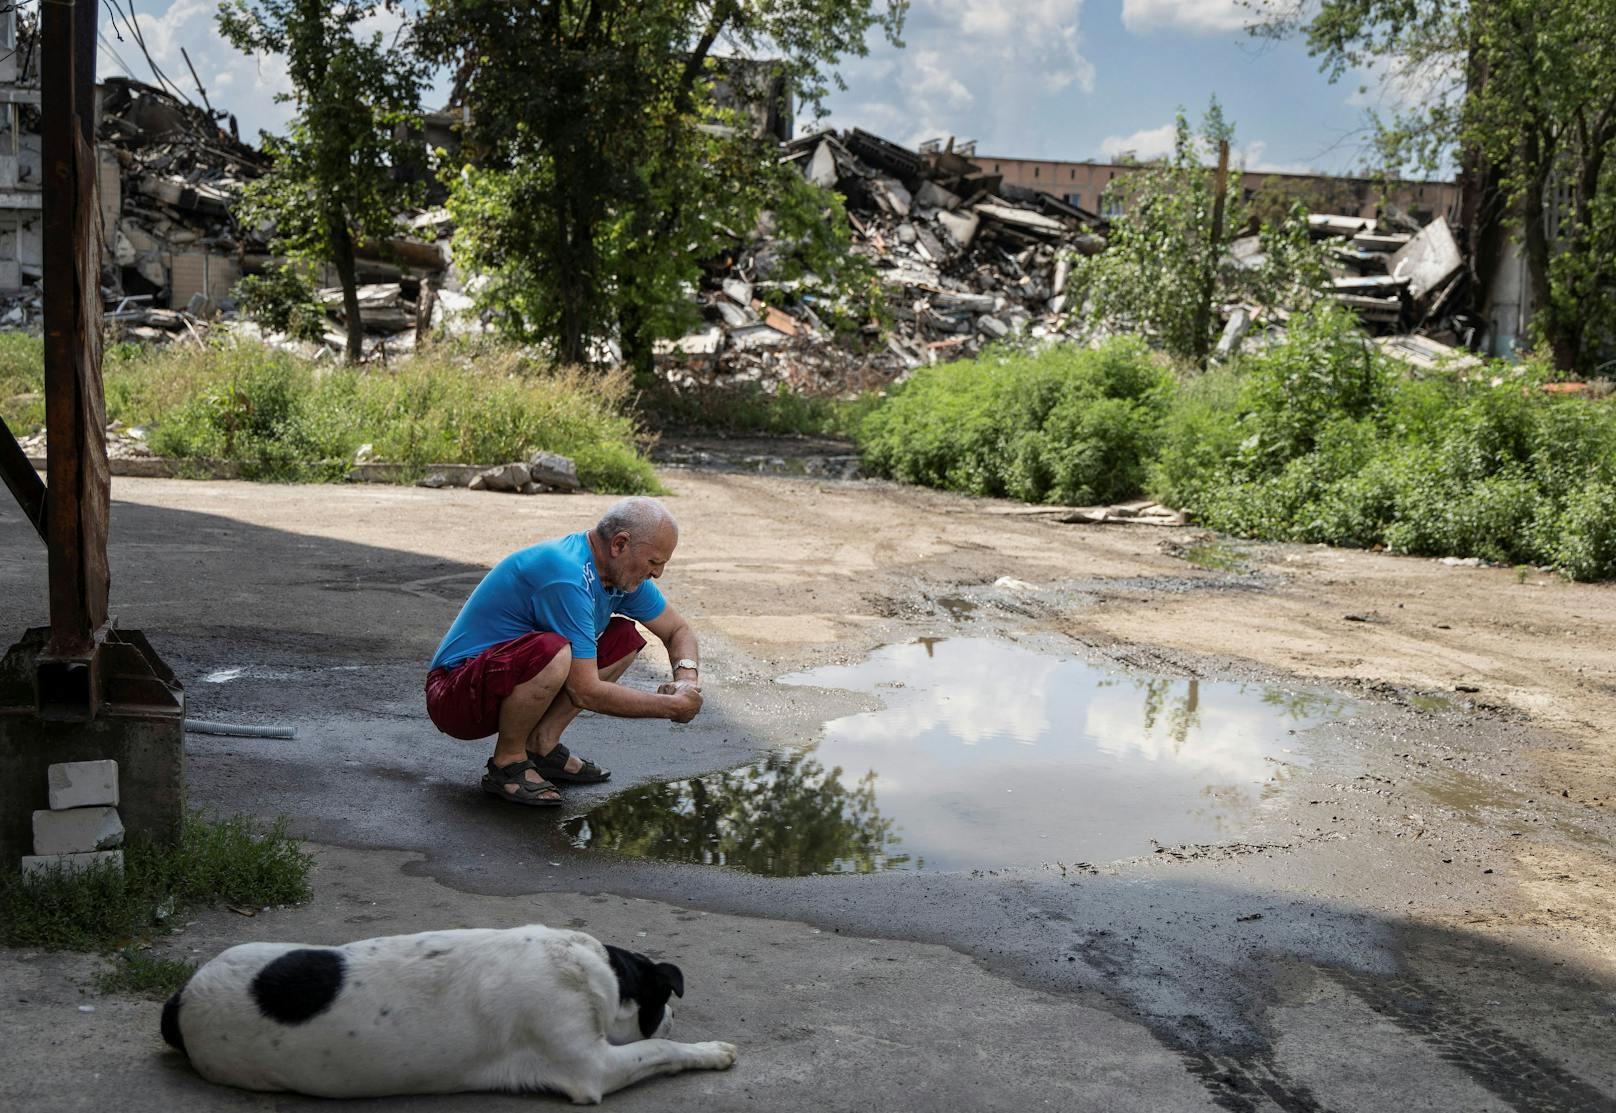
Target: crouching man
[537,643]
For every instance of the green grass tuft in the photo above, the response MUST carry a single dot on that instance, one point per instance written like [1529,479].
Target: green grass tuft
[143,976]
[228,861]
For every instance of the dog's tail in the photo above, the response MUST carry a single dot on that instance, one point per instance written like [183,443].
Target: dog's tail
[171,1022]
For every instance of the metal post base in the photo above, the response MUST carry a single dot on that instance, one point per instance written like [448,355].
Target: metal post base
[138,721]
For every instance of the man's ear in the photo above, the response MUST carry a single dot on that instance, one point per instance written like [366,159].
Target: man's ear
[619,543]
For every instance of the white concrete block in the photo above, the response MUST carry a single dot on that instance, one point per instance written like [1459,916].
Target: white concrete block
[77,830]
[80,784]
[41,864]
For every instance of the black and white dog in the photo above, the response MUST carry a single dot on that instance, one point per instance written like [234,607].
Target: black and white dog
[528,1008]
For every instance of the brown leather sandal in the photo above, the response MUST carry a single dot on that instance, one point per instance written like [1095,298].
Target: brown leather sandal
[531,793]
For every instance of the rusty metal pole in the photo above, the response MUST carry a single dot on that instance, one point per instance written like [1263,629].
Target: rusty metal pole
[78,484]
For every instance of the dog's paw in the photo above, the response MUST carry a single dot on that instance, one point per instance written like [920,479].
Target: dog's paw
[721,1056]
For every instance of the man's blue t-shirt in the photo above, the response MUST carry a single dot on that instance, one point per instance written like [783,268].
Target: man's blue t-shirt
[552,587]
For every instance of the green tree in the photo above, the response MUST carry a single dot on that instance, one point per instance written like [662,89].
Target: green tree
[332,185]
[1168,266]
[1521,96]
[602,173]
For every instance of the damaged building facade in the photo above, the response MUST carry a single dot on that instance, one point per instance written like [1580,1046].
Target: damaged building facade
[21,257]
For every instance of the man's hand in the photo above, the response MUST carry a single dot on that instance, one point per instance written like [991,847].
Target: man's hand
[686,699]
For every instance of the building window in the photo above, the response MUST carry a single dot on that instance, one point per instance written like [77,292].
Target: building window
[1075,199]
[1110,206]
[1035,171]
[1074,175]
[995,168]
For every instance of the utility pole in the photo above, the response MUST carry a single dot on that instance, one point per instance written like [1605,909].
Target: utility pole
[78,689]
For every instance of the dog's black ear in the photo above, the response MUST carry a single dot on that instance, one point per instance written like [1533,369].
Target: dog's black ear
[671,976]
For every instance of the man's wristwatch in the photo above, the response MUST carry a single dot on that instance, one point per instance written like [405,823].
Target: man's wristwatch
[686,663]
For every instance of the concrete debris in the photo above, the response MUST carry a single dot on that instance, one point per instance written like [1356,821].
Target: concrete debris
[544,473]
[962,262]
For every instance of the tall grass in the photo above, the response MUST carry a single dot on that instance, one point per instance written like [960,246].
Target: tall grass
[281,417]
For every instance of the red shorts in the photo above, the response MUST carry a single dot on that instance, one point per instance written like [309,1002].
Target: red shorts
[463,702]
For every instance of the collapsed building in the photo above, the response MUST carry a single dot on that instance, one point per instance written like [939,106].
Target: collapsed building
[962,261]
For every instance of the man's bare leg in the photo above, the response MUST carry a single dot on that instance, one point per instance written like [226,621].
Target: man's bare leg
[522,710]
[561,713]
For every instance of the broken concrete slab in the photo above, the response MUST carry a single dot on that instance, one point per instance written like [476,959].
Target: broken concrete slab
[503,477]
[553,470]
[1428,260]
[822,167]
[77,830]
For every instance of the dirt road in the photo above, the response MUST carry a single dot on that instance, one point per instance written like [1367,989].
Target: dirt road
[1426,910]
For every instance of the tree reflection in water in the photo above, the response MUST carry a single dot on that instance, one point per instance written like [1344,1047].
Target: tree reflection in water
[785,817]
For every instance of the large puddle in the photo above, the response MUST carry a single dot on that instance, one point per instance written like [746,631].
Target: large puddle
[986,754]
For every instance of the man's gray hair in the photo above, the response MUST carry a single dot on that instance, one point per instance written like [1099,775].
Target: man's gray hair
[640,516]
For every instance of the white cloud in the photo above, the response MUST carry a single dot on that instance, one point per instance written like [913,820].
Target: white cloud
[1148,143]
[235,82]
[989,66]
[1201,17]
[1251,158]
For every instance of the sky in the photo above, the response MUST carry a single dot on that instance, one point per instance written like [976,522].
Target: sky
[1049,79]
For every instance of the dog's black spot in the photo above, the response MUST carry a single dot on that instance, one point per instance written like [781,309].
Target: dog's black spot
[648,984]
[386,1011]
[300,985]
[171,1022]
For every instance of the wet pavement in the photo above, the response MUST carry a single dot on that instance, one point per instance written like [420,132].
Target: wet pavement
[1215,916]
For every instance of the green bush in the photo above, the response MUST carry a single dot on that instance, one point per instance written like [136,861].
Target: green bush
[1065,425]
[283,300]
[1318,439]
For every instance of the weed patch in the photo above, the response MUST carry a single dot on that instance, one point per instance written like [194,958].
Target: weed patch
[144,976]
[1321,439]
[228,861]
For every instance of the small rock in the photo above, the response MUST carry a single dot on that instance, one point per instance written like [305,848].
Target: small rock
[476,483]
[434,481]
[86,1008]
[1465,688]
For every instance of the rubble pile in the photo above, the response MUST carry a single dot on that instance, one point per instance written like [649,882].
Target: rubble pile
[169,176]
[962,258]
[1398,277]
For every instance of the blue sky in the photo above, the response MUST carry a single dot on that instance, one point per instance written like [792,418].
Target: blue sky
[1056,79]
